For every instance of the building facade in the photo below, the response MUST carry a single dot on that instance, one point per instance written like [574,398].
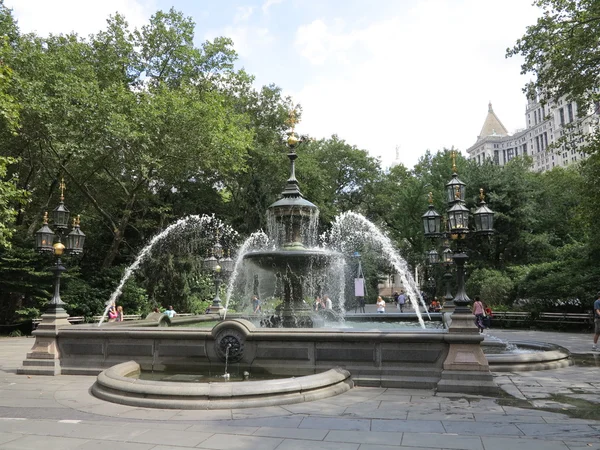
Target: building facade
[545,124]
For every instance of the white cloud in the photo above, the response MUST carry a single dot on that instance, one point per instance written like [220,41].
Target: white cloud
[268,3]
[243,13]
[82,17]
[420,80]
[247,39]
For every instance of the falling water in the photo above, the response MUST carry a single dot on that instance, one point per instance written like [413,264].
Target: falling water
[351,229]
[226,374]
[256,240]
[203,223]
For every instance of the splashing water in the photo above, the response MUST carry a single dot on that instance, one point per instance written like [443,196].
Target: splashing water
[256,240]
[350,228]
[204,223]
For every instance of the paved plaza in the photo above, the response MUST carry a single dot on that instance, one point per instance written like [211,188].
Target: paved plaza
[38,412]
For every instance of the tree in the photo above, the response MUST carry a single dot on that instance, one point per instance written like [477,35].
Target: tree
[562,51]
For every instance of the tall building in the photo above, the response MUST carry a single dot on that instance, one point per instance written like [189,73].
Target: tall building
[544,125]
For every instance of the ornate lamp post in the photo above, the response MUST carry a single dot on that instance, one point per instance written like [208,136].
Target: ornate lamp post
[45,243]
[218,265]
[457,230]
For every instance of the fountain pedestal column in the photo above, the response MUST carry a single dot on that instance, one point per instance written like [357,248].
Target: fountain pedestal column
[295,313]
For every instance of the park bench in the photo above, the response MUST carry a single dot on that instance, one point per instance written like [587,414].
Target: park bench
[566,318]
[511,316]
[126,317]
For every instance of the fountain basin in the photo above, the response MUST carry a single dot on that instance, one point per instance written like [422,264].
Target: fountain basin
[545,356]
[117,385]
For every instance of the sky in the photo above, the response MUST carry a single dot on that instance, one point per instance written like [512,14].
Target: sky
[384,75]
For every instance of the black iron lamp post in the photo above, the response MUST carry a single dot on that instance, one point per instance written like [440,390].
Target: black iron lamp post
[457,230]
[45,243]
[220,267]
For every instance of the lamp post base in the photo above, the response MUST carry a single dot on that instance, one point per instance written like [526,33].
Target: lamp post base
[44,356]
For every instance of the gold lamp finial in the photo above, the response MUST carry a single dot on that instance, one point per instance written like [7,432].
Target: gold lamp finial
[454,161]
[62,187]
[481,194]
[46,218]
[430,198]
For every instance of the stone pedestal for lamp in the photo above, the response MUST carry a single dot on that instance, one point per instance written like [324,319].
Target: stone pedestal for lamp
[465,369]
[44,357]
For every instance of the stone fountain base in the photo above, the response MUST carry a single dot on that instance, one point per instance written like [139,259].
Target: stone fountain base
[401,359]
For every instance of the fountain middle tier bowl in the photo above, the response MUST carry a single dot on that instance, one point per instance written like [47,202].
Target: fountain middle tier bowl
[295,260]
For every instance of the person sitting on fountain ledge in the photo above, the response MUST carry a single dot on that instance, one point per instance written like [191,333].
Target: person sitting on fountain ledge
[380,305]
[170,312]
[327,302]
[318,304]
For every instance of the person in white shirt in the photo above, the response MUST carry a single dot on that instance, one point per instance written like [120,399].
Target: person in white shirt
[328,304]
[170,312]
[380,305]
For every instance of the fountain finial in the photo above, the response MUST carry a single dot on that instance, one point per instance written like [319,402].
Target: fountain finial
[292,120]
[454,161]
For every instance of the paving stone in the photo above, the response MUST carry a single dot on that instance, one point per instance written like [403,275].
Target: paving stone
[166,437]
[32,442]
[102,445]
[294,444]
[448,441]
[221,428]
[278,422]
[504,443]
[425,426]
[589,445]
[481,428]
[292,433]
[508,418]
[440,415]
[7,437]
[329,423]
[365,437]
[559,430]
[394,447]
[229,442]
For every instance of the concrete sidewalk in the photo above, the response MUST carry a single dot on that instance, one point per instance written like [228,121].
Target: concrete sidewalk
[59,413]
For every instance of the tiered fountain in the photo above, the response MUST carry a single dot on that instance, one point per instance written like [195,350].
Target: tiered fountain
[292,222]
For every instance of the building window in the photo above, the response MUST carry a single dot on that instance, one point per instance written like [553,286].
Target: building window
[570,112]
[561,112]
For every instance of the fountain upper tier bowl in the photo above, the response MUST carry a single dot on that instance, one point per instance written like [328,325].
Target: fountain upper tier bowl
[295,260]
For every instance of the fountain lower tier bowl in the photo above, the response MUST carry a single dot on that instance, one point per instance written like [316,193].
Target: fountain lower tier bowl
[295,260]
[519,356]
[118,384]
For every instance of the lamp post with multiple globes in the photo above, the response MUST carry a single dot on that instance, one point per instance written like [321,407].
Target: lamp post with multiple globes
[456,229]
[48,241]
[219,266]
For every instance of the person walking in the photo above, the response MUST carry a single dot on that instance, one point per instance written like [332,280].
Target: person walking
[255,304]
[478,312]
[596,321]
[380,305]
[401,301]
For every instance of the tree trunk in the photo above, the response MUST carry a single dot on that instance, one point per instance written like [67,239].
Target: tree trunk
[119,234]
